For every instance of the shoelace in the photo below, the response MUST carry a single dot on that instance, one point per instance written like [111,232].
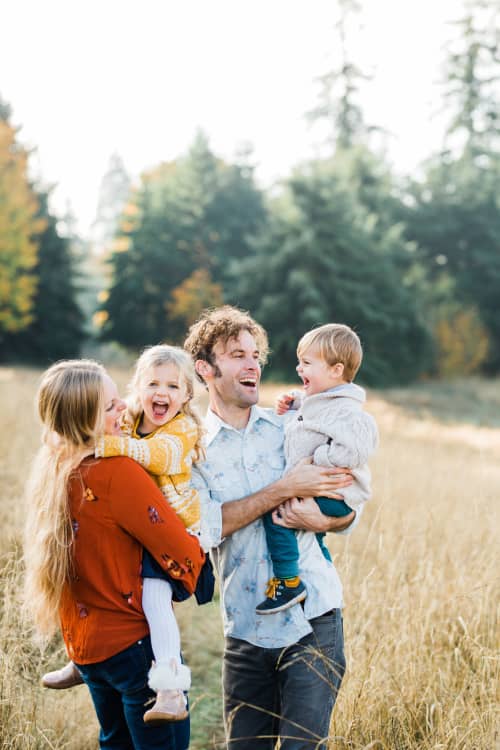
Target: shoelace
[272,588]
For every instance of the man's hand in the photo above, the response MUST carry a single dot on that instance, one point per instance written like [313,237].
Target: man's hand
[306,480]
[304,513]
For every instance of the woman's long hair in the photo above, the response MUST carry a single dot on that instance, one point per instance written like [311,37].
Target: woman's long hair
[155,356]
[70,403]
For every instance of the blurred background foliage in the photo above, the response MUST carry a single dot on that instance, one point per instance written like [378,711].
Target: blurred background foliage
[413,264]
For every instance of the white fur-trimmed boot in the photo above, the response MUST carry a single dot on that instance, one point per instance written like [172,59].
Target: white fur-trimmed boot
[168,680]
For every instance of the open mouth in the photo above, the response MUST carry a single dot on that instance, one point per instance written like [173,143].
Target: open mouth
[159,409]
[249,382]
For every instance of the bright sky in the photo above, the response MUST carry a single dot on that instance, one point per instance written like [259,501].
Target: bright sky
[89,78]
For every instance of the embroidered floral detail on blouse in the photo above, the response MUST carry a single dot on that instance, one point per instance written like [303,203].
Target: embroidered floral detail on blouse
[89,496]
[154,516]
[82,610]
[173,567]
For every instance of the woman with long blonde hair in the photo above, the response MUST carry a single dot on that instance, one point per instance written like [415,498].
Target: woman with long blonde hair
[88,522]
[162,431]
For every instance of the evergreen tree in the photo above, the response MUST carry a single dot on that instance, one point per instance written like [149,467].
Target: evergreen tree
[338,105]
[114,193]
[194,214]
[454,213]
[55,331]
[18,225]
[472,79]
[320,261]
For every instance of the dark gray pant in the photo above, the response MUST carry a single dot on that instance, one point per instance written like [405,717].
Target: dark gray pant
[284,692]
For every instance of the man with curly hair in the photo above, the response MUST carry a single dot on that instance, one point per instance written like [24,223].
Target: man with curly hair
[281,674]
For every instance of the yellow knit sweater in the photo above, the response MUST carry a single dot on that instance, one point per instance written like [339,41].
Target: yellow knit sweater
[167,454]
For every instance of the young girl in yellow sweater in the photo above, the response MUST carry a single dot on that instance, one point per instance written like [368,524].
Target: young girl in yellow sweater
[162,432]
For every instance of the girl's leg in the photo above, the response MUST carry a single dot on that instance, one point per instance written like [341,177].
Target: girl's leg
[157,606]
[168,677]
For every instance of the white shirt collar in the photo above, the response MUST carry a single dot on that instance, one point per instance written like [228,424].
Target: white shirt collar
[214,424]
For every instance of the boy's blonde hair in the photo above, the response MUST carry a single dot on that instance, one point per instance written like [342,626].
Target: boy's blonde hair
[156,356]
[334,342]
[70,403]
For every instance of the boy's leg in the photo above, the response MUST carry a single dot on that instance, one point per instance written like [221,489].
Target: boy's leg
[330,507]
[286,588]
[283,548]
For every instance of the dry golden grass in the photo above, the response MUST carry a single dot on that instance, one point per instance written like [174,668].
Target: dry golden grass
[421,587]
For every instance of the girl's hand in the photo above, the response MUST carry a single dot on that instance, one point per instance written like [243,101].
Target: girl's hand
[284,402]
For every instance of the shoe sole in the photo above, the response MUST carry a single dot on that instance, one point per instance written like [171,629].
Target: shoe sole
[61,685]
[163,718]
[298,598]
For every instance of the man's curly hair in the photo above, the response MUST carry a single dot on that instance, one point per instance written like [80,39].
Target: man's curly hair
[221,324]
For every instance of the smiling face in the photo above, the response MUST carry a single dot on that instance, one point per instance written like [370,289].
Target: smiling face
[316,374]
[162,393]
[113,407]
[234,377]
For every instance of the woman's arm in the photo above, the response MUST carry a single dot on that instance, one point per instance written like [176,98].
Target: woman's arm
[139,508]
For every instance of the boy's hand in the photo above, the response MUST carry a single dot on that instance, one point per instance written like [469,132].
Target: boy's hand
[284,402]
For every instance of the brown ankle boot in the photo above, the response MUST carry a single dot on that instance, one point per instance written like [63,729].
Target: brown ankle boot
[64,678]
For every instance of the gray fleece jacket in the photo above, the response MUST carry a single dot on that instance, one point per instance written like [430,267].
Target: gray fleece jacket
[334,428]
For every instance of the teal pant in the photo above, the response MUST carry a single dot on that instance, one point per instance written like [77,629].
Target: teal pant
[282,542]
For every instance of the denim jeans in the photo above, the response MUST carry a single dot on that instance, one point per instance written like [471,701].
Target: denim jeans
[119,690]
[287,693]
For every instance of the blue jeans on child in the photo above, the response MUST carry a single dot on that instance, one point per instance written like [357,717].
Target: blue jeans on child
[119,690]
[282,542]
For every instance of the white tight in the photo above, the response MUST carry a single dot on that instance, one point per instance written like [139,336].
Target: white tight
[157,606]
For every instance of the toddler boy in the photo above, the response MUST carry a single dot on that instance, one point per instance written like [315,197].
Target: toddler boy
[332,427]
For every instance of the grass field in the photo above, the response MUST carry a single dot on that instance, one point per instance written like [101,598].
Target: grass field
[420,574]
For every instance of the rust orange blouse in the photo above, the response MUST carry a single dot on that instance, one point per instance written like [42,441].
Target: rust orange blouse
[116,510]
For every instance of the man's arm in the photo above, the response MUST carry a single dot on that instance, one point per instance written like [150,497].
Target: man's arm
[306,515]
[303,480]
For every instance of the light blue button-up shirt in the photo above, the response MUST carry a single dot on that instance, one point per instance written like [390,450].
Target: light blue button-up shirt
[239,463]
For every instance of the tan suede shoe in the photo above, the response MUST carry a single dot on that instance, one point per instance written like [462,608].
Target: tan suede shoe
[170,705]
[64,678]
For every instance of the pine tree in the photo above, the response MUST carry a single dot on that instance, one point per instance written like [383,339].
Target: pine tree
[56,329]
[454,213]
[319,261]
[190,216]
[18,225]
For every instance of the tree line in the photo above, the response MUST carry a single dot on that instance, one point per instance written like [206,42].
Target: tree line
[412,264]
